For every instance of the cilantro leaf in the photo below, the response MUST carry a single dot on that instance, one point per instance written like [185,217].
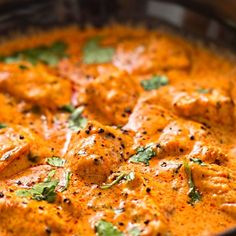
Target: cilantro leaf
[23,67]
[49,55]
[45,191]
[134,231]
[193,193]
[2,126]
[41,191]
[56,161]
[143,154]
[104,228]
[155,82]
[67,108]
[128,177]
[94,53]
[76,120]
[23,193]
[50,175]
[203,91]
[197,161]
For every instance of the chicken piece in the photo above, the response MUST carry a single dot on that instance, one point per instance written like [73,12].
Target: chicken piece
[173,136]
[39,218]
[212,154]
[169,53]
[96,151]
[36,86]
[143,213]
[9,112]
[152,53]
[31,177]
[212,107]
[112,97]
[148,121]
[199,102]
[217,183]
[177,138]
[20,149]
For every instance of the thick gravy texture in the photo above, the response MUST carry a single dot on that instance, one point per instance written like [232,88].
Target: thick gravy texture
[115,131]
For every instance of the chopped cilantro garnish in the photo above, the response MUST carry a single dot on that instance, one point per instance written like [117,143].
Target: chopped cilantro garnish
[49,55]
[104,228]
[67,108]
[134,231]
[155,82]
[143,154]
[197,161]
[23,67]
[41,191]
[56,161]
[193,193]
[203,91]
[128,177]
[94,53]
[50,175]
[76,120]
[2,126]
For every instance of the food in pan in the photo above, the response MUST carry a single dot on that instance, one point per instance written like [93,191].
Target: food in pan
[115,131]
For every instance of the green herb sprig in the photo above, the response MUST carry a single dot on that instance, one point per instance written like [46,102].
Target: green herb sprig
[41,191]
[76,120]
[94,53]
[67,108]
[203,90]
[2,126]
[155,82]
[50,54]
[128,177]
[104,228]
[143,155]
[197,161]
[56,161]
[193,193]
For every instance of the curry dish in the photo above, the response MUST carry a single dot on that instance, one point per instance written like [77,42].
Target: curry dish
[115,131]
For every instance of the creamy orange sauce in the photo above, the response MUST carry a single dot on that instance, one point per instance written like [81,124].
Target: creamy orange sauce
[189,122]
